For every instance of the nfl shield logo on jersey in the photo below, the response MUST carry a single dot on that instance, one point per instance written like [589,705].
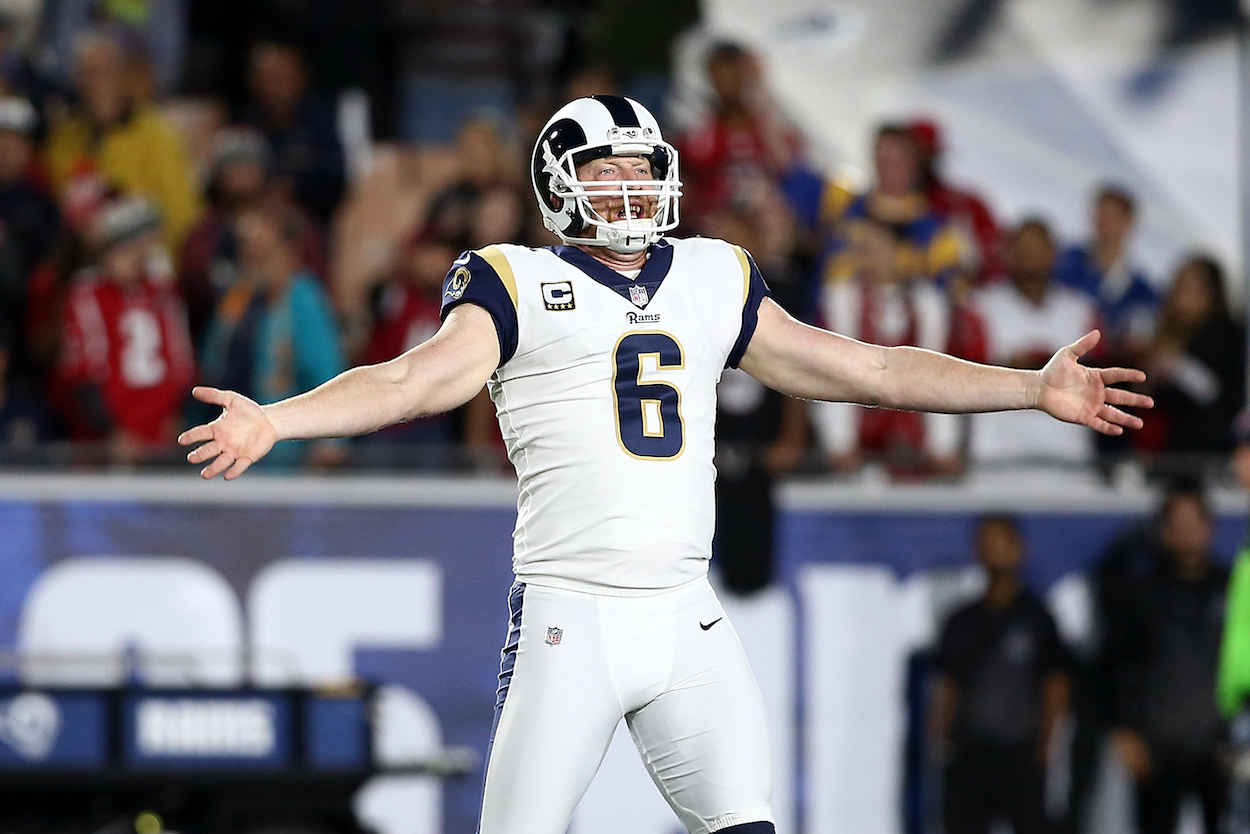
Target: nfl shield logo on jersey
[553,635]
[638,295]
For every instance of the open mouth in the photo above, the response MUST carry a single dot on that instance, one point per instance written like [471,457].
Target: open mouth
[637,211]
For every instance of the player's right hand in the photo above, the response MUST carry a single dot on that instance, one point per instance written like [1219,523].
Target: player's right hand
[242,435]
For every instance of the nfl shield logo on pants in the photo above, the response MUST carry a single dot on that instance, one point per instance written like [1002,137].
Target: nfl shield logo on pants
[554,635]
[638,295]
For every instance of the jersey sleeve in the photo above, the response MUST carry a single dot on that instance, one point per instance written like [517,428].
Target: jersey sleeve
[484,277]
[754,291]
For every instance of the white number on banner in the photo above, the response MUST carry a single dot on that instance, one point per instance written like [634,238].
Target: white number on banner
[178,619]
[142,363]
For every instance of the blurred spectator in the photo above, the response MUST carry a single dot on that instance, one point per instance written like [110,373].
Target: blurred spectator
[643,65]
[26,209]
[155,28]
[301,129]
[964,210]
[274,334]
[1233,681]
[759,433]
[126,359]
[18,76]
[742,148]
[477,210]
[1195,368]
[464,60]
[932,249]
[1165,653]
[113,140]
[482,205]
[239,183]
[885,305]
[1026,320]
[28,222]
[594,80]
[1000,692]
[1101,269]
[405,312]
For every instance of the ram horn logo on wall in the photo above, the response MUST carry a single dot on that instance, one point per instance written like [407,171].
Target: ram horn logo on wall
[30,724]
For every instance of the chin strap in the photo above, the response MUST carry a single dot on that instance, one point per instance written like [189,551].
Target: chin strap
[625,241]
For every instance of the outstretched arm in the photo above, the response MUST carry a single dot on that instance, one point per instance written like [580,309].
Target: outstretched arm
[437,376]
[804,361]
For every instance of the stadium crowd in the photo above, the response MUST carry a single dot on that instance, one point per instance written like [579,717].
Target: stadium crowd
[144,249]
[147,245]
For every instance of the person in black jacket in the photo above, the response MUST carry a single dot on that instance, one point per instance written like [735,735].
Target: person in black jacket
[1165,650]
[1002,686]
[759,433]
[1196,366]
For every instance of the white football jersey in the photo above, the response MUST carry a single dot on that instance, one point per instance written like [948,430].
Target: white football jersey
[606,397]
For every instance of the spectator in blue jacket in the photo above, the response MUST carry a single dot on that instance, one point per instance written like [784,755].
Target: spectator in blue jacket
[1101,268]
[274,333]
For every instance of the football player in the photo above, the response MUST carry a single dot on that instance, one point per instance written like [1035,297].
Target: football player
[602,357]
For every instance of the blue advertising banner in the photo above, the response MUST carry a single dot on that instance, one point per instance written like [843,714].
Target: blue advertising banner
[273,532]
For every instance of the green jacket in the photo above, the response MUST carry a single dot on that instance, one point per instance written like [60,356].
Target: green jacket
[1232,686]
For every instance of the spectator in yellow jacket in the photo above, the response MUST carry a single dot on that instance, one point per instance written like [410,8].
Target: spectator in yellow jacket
[124,143]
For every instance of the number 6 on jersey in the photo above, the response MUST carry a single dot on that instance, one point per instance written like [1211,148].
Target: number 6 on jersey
[648,415]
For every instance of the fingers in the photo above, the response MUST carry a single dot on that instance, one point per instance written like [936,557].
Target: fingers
[240,466]
[1085,344]
[1130,399]
[1111,376]
[212,396]
[1113,418]
[220,464]
[206,452]
[1103,427]
[196,435]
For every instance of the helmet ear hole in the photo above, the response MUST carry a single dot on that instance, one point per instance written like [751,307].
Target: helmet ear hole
[659,163]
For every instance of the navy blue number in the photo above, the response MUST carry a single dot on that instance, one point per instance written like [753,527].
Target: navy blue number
[648,415]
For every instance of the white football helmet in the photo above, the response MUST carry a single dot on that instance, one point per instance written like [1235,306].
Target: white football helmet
[591,128]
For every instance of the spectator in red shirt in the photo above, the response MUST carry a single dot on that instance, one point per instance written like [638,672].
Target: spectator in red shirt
[887,305]
[405,312]
[126,358]
[964,210]
[742,148]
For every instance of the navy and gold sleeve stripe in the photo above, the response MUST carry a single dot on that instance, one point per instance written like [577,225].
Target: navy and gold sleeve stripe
[754,291]
[484,277]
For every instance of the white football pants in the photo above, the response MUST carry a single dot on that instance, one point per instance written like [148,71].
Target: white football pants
[669,663]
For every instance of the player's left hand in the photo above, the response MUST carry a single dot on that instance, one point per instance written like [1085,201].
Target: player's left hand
[1079,394]
[241,435]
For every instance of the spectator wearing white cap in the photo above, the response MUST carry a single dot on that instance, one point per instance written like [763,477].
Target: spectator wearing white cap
[126,357]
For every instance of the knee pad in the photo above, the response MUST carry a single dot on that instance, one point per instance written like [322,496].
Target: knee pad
[749,828]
